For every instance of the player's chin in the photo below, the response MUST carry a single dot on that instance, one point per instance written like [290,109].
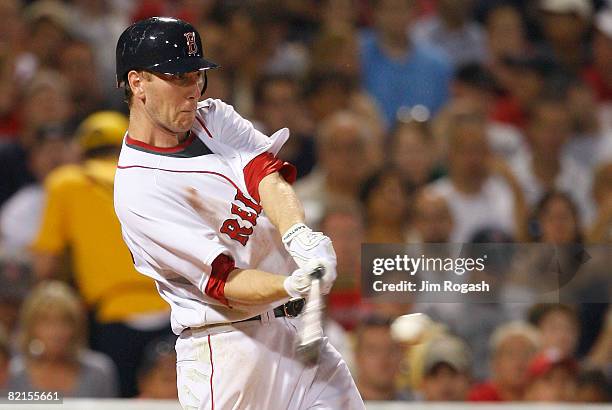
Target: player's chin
[184,120]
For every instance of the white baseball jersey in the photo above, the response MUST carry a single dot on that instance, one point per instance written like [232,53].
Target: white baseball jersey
[181,246]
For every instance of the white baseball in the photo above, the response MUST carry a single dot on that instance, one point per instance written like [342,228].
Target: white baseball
[410,328]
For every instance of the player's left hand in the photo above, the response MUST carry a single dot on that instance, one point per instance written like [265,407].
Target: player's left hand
[298,284]
[305,245]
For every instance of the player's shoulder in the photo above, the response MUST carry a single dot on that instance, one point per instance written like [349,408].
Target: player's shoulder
[213,106]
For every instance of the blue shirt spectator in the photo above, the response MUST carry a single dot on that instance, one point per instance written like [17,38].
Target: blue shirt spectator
[421,77]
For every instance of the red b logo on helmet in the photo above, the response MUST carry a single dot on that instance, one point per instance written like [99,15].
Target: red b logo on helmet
[192,47]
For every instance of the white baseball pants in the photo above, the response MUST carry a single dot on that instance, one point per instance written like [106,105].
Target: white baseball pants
[253,366]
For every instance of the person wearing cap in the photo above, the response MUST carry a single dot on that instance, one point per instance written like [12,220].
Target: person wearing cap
[125,309]
[446,370]
[512,346]
[552,377]
[565,24]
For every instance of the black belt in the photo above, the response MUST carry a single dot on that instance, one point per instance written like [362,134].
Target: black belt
[290,309]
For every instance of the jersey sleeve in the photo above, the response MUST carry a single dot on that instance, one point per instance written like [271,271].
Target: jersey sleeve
[52,236]
[223,124]
[172,247]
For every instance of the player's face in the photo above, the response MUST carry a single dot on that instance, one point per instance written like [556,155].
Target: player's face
[171,100]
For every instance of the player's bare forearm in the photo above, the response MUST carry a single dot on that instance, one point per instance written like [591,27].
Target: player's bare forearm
[254,287]
[280,202]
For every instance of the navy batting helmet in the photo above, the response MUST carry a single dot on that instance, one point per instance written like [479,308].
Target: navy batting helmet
[162,45]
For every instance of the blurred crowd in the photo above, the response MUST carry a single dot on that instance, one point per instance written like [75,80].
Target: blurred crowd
[412,121]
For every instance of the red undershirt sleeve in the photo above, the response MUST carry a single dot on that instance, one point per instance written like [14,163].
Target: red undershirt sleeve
[262,165]
[222,266]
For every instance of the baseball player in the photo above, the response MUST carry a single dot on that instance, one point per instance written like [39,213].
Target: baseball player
[203,200]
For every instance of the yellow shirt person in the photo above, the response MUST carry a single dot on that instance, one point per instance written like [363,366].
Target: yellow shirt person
[79,216]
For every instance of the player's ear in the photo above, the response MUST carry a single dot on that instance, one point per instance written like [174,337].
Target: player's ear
[136,82]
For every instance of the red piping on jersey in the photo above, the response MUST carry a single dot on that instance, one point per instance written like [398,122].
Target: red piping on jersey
[182,172]
[212,373]
[168,150]
[204,126]
[263,165]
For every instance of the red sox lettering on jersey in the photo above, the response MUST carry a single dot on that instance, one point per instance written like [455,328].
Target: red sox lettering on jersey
[234,227]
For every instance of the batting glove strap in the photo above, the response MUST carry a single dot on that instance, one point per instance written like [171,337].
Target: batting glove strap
[293,232]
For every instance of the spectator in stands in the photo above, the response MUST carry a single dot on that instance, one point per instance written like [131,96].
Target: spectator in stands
[5,357]
[506,36]
[523,80]
[20,215]
[557,219]
[278,105]
[544,168]
[48,29]
[336,50]
[99,23]
[551,377]
[343,223]
[559,327]
[329,92]
[13,67]
[432,220]
[339,15]
[592,387]
[412,152]
[397,71]
[46,101]
[17,279]
[385,199]
[512,346]
[601,229]
[565,25]
[52,344]
[378,361]
[590,143]
[453,30]
[78,65]
[125,308]
[477,197]
[446,370]
[342,165]
[474,89]
[157,371]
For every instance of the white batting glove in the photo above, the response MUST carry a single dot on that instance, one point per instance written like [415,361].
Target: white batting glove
[298,284]
[305,245]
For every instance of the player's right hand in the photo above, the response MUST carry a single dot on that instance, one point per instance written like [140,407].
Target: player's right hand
[298,284]
[305,245]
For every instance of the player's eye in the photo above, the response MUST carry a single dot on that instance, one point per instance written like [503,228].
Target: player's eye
[187,79]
